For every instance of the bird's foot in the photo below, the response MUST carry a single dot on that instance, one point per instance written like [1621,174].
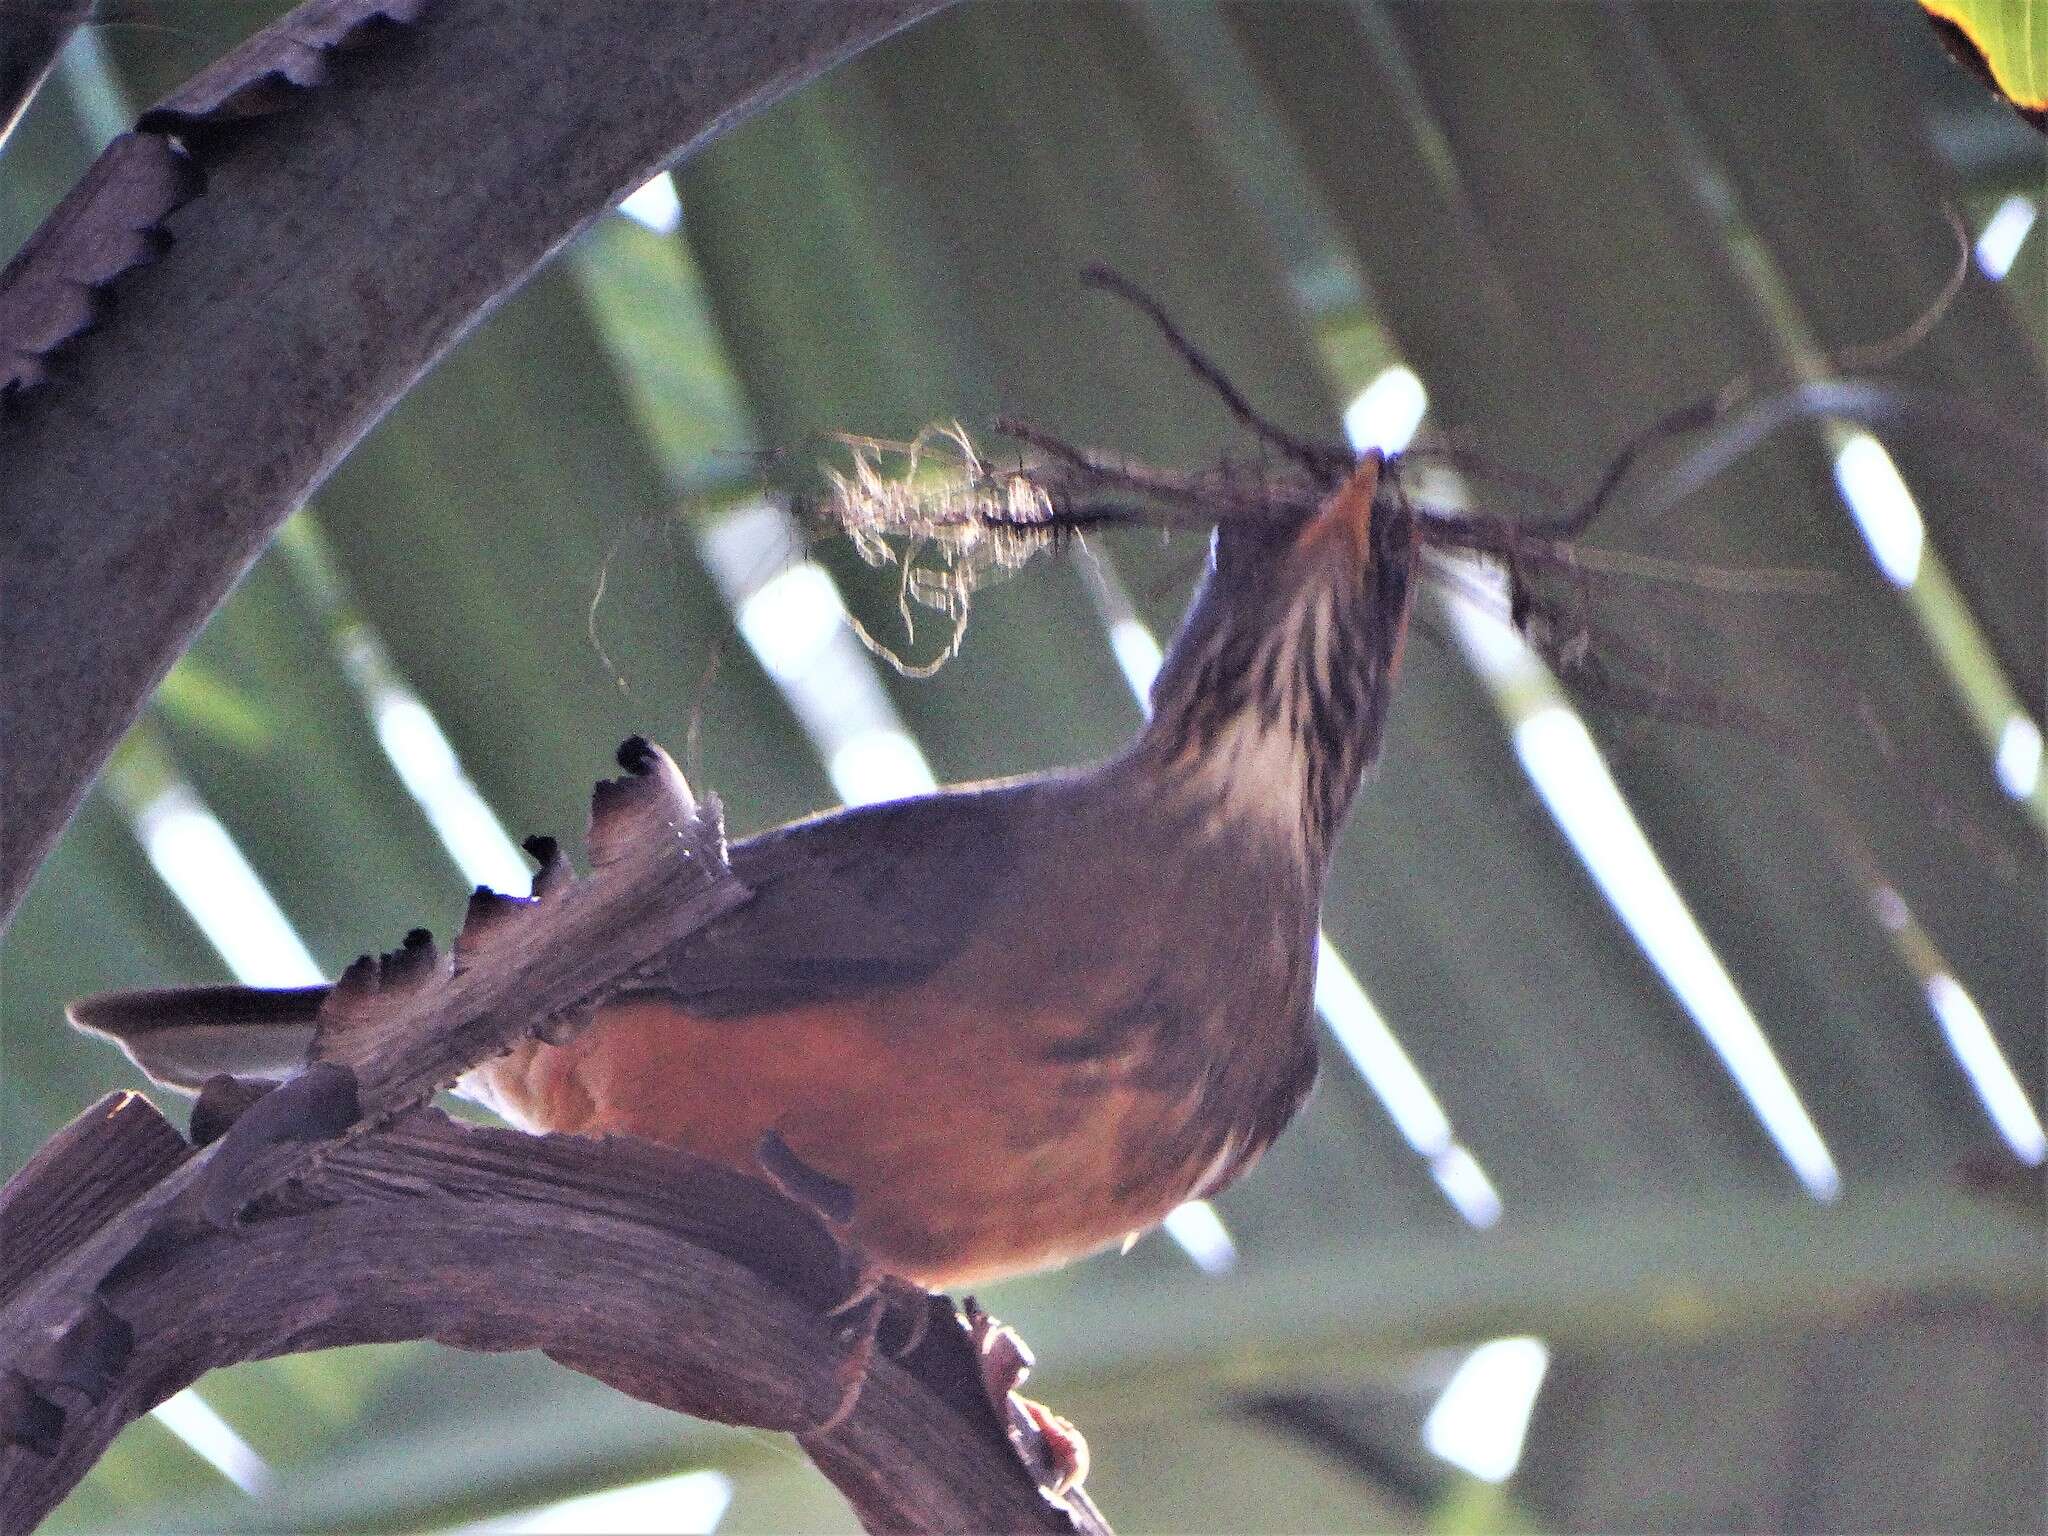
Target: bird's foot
[1049,1445]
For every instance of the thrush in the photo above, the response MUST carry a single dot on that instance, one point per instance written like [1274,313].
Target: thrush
[1021,1020]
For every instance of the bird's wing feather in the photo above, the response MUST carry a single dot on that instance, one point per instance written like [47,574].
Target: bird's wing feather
[181,1036]
[869,898]
[873,897]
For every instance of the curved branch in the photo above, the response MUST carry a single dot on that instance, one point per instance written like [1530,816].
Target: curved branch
[333,1209]
[338,249]
[675,1280]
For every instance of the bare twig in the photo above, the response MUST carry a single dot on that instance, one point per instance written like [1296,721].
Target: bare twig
[1707,411]
[1078,489]
[1323,461]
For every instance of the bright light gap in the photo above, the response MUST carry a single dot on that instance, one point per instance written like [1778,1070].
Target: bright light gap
[791,617]
[1202,1236]
[1363,1032]
[412,740]
[214,1441]
[1498,653]
[655,205]
[1582,795]
[196,858]
[794,621]
[1387,412]
[1949,628]
[1998,247]
[2018,763]
[690,1504]
[1464,1183]
[1883,508]
[1481,1419]
[425,762]
[1138,657]
[1561,760]
[1998,1087]
[1565,766]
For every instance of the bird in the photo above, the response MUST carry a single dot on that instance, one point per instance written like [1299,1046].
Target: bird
[1023,1020]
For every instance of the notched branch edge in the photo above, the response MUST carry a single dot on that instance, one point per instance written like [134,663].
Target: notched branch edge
[113,222]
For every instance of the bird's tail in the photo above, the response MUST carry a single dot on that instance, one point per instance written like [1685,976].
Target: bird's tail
[181,1036]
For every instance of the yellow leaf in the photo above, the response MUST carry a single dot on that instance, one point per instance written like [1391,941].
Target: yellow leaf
[2006,41]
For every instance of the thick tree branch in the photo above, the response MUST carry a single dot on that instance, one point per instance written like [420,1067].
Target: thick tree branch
[674,1280]
[341,244]
[334,1209]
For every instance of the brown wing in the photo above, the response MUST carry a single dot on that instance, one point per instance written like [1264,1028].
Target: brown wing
[873,897]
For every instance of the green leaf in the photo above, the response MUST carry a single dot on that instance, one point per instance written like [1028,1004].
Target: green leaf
[2004,41]
[197,697]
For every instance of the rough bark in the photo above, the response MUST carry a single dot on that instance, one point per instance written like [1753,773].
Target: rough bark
[674,1280]
[369,183]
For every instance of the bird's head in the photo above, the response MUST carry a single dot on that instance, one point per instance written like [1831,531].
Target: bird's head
[1274,692]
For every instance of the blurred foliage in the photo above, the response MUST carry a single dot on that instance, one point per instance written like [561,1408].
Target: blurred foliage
[2007,41]
[1561,250]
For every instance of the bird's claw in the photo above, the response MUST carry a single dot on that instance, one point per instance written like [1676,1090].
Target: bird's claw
[1049,1445]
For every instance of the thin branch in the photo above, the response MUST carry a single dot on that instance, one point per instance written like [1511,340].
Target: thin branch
[1699,414]
[1324,463]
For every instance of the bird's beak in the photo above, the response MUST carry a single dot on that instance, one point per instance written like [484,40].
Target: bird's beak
[1344,520]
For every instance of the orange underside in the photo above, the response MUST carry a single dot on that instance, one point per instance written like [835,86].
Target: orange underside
[969,1160]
